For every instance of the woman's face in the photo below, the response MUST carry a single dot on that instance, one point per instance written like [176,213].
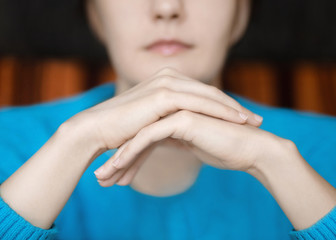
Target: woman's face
[143,36]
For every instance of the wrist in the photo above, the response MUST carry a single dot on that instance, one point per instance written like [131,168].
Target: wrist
[282,155]
[295,185]
[78,137]
[40,188]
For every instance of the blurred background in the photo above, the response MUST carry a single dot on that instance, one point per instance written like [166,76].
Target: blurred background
[287,57]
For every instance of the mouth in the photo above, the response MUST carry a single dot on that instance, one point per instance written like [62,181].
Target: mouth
[170,47]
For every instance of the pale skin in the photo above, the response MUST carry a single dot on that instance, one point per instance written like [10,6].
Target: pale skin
[166,100]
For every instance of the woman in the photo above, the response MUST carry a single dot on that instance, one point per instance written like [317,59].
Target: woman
[173,134]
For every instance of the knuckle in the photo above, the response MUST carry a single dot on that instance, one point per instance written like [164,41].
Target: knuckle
[119,166]
[164,80]
[229,112]
[237,105]
[166,71]
[233,111]
[185,117]
[162,94]
[215,90]
[125,155]
[242,109]
[143,133]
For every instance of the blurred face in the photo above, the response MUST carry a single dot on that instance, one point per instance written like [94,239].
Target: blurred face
[143,36]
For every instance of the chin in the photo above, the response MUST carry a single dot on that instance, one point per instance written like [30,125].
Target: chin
[138,66]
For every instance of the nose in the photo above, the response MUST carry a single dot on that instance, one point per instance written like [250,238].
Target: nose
[167,9]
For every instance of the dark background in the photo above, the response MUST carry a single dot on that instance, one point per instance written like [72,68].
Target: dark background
[279,30]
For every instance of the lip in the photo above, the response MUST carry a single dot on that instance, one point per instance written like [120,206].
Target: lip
[168,47]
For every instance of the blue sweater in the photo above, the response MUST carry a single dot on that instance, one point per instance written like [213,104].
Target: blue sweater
[221,204]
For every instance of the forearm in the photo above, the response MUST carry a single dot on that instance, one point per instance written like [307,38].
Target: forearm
[304,196]
[40,188]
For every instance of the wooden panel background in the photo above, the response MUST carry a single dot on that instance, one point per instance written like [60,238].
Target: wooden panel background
[302,85]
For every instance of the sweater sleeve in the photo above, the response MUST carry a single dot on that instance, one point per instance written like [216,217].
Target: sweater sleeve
[325,228]
[14,226]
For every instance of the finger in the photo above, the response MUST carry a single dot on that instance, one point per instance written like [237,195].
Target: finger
[174,80]
[218,95]
[125,176]
[169,102]
[133,168]
[129,175]
[174,125]
[115,177]
[253,118]
[108,169]
[112,180]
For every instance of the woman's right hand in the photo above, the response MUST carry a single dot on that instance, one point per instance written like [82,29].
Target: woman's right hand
[114,121]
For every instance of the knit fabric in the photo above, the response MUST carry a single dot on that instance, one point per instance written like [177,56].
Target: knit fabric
[13,226]
[221,204]
[325,228]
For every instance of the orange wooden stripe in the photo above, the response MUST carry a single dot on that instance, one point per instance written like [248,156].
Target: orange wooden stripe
[7,68]
[307,80]
[60,79]
[256,81]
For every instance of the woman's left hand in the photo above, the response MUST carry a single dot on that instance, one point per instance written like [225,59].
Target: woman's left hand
[216,142]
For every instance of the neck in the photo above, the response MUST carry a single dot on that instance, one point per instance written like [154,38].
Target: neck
[169,168]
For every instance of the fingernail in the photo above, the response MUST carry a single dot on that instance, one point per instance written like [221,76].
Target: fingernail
[116,162]
[99,170]
[243,116]
[258,118]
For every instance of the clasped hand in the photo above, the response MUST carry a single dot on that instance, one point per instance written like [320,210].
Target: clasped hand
[215,127]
